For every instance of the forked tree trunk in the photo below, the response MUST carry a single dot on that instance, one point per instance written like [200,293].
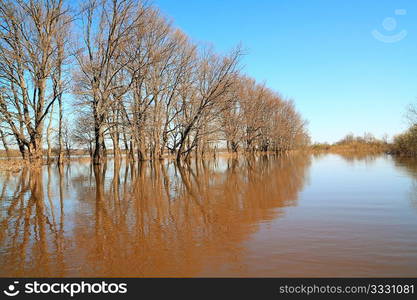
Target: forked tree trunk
[35,151]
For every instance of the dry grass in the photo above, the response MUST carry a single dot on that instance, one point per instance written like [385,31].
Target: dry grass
[354,147]
[13,165]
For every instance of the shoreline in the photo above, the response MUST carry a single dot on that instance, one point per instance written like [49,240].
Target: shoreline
[15,164]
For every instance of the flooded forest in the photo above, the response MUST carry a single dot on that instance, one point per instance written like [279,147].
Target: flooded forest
[129,150]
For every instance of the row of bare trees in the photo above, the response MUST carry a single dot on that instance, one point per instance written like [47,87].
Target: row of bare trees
[259,119]
[135,84]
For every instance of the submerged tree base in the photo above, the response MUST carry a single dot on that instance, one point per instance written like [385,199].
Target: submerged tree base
[16,163]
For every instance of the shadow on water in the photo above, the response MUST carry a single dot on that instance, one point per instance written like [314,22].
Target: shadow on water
[148,219]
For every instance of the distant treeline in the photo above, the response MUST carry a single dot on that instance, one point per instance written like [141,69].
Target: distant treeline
[116,74]
[402,144]
[351,143]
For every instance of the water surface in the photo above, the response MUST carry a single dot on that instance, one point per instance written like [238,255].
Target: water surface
[295,215]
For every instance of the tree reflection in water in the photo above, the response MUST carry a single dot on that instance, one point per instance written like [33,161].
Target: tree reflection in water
[147,219]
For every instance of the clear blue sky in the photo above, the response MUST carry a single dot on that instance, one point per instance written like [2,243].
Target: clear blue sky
[321,53]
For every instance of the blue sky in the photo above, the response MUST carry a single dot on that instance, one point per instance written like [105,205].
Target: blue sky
[320,53]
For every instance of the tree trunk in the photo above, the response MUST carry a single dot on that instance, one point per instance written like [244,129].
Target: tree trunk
[48,136]
[22,150]
[60,142]
[99,143]
[131,151]
[116,148]
[35,150]
[6,147]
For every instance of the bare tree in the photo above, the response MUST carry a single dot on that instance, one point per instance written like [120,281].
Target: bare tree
[205,97]
[83,133]
[108,27]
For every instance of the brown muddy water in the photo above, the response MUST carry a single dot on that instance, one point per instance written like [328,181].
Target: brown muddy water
[293,216]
